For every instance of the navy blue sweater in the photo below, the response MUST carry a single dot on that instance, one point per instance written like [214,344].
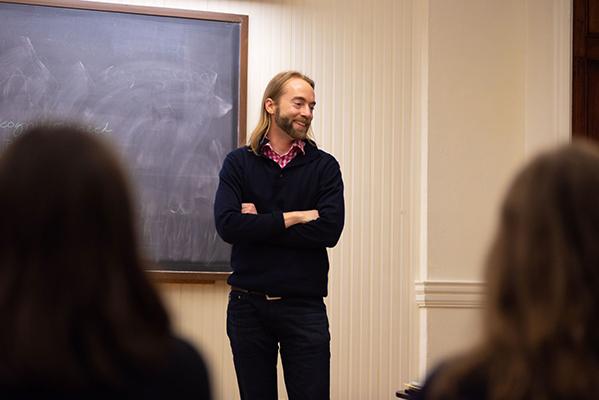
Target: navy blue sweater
[266,257]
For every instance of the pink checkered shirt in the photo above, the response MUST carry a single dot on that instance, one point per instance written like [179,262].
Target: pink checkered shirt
[296,147]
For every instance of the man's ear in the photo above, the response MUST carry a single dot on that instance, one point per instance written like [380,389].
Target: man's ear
[270,105]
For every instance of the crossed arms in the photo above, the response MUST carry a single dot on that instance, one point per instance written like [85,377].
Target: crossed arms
[240,222]
[290,218]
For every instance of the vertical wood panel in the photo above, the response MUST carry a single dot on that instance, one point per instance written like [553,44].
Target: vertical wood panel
[360,54]
[592,87]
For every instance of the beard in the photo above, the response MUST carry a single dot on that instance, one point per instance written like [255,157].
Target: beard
[286,125]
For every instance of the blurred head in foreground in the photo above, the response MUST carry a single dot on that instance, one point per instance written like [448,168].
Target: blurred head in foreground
[75,306]
[541,326]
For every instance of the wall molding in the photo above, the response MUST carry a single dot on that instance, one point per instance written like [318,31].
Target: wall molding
[562,59]
[417,178]
[449,294]
[548,74]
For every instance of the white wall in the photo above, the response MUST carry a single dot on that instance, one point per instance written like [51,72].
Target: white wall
[360,55]
[499,90]
[476,125]
[429,105]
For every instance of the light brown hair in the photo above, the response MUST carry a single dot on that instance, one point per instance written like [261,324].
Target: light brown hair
[541,328]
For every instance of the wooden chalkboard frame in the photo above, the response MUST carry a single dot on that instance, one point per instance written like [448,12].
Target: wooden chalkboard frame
[175,276]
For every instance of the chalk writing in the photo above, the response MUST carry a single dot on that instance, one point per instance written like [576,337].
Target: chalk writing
[18,127]
[164,92]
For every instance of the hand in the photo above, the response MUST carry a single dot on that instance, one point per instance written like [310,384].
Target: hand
[248,208]
[299,217]
[309,215]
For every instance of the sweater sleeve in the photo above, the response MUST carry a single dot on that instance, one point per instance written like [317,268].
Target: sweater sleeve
[326,230]
[233,226]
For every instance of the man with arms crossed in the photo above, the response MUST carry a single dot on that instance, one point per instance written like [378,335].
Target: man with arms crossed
[280,204]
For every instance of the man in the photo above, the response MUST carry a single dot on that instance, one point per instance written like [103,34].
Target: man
[280,203]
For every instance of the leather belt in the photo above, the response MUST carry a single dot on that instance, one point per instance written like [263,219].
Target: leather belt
[253,293]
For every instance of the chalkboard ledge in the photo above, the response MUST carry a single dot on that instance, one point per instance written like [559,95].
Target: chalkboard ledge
[187,276]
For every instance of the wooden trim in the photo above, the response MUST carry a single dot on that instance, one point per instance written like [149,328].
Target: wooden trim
[579,95]
[243,80]
[161,276]
[133,9]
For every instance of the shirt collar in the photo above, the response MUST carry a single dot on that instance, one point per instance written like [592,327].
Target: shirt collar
[297,143]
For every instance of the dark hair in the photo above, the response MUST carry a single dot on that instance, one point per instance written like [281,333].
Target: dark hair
[541,327]
[75,305]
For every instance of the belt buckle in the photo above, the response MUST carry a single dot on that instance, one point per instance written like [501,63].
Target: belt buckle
[273,297]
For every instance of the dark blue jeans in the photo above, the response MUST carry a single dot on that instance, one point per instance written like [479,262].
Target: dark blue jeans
[257,326]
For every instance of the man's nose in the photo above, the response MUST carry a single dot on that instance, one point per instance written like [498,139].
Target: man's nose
[307,112]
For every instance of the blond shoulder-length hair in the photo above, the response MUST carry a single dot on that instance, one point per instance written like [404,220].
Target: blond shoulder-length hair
[273,91]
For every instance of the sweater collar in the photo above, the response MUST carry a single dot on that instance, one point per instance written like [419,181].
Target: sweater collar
[309,154]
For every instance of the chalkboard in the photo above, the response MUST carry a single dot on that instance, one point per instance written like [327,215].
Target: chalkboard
[166,86]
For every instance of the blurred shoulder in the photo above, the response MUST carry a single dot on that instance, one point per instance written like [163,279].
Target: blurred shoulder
[450,381]
[187,370]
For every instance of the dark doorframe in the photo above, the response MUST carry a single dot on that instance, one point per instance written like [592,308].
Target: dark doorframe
[585,69]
